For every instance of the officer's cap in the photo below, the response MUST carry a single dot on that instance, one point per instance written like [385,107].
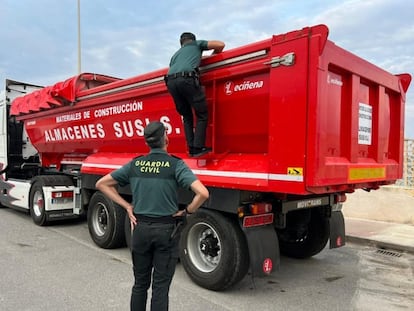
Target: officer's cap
[154,131]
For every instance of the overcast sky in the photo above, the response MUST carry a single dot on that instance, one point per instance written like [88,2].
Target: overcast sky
[39,43]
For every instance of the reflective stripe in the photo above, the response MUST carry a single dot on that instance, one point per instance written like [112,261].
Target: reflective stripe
[231,174]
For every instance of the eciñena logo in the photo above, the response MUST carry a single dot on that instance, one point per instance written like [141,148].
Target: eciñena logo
[230,87]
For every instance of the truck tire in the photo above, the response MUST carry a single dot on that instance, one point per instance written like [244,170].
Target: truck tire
[37,197]
[128,233]
[307,241]
[106,222]
[213,250]
[36,204]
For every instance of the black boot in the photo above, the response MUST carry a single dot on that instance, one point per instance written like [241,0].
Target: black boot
[197,152]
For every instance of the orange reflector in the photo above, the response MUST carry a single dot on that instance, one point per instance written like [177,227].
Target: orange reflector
[260,208]
[257,220]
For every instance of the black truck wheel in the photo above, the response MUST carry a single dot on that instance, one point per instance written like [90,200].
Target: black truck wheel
[213,250]
[37,205]
[128,232]
[106,222]
[306,234]
[37,197]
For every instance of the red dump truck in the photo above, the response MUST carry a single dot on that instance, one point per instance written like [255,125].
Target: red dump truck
[295,124]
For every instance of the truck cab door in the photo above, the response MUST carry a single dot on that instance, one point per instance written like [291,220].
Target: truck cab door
[12,133]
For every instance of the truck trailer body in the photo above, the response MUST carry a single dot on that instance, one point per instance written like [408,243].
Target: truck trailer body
[295,124]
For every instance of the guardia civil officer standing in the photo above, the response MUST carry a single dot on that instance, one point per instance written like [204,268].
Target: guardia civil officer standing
[183,84]
[154,180]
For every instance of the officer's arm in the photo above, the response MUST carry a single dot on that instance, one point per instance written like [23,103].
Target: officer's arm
[201,194]
[107,185]
[215,45]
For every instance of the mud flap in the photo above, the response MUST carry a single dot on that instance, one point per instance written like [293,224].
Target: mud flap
[263,250]
[337,230]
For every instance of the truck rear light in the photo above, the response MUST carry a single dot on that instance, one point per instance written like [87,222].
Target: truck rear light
[257,220]
[340,198]
[260,208]
[62,194]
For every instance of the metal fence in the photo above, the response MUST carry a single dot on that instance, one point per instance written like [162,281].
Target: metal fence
[408,175]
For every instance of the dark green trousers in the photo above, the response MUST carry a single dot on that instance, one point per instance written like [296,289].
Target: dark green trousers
[154,256]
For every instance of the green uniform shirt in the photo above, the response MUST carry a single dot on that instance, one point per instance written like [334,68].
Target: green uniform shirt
[154,180]
[188,57]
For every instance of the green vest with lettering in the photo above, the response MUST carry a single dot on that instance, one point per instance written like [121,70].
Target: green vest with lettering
[154,180]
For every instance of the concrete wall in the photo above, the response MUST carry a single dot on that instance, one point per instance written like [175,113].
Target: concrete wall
[389,204]
[408,175]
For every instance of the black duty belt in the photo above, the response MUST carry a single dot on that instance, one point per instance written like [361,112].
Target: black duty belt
[184,74]
[160,220]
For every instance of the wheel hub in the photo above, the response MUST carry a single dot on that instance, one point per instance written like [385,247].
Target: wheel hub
[102,218]
[204,247]
[38,204]
[209,247]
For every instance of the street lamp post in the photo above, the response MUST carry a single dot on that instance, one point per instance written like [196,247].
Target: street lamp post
[79,40]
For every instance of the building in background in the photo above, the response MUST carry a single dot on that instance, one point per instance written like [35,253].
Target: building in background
[408,175]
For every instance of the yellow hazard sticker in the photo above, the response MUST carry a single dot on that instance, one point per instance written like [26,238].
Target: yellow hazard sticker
[297,171]
[366,173]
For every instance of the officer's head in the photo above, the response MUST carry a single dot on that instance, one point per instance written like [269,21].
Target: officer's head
[155,135]
[186,37]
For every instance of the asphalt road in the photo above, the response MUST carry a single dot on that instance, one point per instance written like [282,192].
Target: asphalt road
[59,268]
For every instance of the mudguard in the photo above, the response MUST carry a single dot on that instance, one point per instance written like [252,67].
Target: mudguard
[337,230]
[263,249]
